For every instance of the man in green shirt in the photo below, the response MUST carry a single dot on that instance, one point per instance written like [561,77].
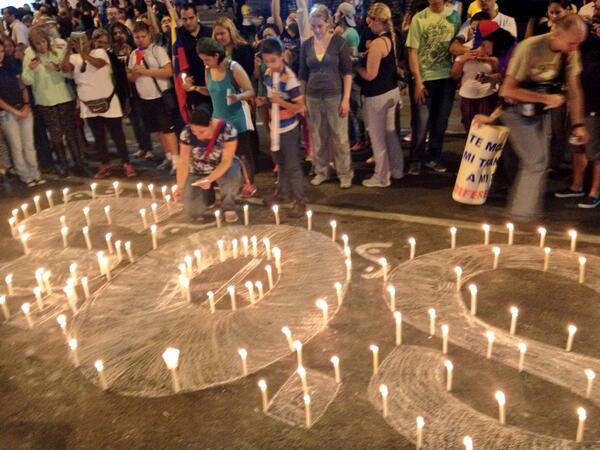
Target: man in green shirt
[430,34]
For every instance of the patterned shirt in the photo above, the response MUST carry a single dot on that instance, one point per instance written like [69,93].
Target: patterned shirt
[289,89]
[202,164]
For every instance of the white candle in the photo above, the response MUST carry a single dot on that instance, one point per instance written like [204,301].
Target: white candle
[69,290]
[572,329]
[269,275]
[338,292]
[246,209]
[143,216]
[39,278]
[24,241]
[99,365]
[324,307]
[468,442]
[573,235]
[65,193]
[151,190]
[218,218]
[511,233]
[4,307]
[345,239]
[36,202]
[189,266]
[473,290]
[432,315]
[501,399]
[445,330]
[582,261]
[93,187]
[86,235]
[262,384]
[185,286]
[486,234]
[335,360]
[522,350]
[309,215]
[384,268]
[514,312]
[86,287]
[298,348]
[168,202]
[254,242]
[307,415]
[250,287]
[73,272]
[259,286]
[449,371]
[496,252]
[491,337]
[73,347]
[333,225]
[398,320]
[129,251]
[15,214]
[412,242]
[118,248]
[277,256]
[86,213]
[453,237]
[171,359]
[590,375]
[375,350]
[301,371]
[63,221]
[267,244]
[458,271]
[106,267]
[100,257]
[581,413]
[109,244]
[47,285]
[21,230]
[245,245]
[153,229]
[288,336]
[163,191]
[173,189]
[140,192]
[244,356]
[107,214]
[24,208]
[392,292]
[221,247]
[231,291]
[25,307]
[542,232]
[62,323]
[37,292]
[116,188]
[154,208]
[420,425]
[547,252]
[8,279]
[383,390]
[275,209]
[13,227]
[198,257]
[211,301]
[234,248]
[348,263]
[50,199]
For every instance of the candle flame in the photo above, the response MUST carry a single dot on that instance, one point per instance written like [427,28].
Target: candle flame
[500,397]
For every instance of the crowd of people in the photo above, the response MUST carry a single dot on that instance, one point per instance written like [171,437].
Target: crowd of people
[323,82]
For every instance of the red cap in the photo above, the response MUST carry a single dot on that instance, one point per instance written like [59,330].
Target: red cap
[487,27]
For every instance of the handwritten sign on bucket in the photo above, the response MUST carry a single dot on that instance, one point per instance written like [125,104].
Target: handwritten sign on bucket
[480,158]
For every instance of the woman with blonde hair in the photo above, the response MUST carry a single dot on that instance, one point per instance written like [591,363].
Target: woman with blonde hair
[236,47]
[326,80]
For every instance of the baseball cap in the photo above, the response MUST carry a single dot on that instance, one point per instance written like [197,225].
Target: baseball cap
[346,11]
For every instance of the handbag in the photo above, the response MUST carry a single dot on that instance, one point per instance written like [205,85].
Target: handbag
[168,96]
[99,106]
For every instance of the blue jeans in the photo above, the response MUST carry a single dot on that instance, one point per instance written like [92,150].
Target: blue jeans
[19,136]
[291,178]
[433,116]
[197,200]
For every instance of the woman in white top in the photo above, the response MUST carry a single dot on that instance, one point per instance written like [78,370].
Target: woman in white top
[98,102]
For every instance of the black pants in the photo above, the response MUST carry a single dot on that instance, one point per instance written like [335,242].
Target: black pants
[99,126]
[244,152]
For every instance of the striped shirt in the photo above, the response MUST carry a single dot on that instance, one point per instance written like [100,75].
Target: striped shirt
[289,89]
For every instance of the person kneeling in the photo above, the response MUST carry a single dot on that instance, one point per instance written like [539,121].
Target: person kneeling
[206,156]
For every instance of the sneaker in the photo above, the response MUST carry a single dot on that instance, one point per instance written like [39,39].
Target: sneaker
[371,160]
[103,172]
[318,180]
[569,193]
[358,147]
[248,190]
[165,165]
[589,202]
[298,210]
[30,184]
[173,171]
[129,170]
[346,183]
[140,154]
[407,138]
[415,168]
[231,216]
[39,181]
[149,156]
[436,166]
[374,182]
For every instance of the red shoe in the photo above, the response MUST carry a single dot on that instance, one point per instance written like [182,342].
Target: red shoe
[103,172]
[129,170]
[248,190]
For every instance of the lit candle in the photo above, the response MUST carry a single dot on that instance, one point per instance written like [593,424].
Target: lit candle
[36,202]
[383,390]
[73,272]
[62,323]
[143,216]
[244,356]
[129,251]
[511,233]
[432,315]
[458,271]
[445,330]
[50,199]
[63,221]
[277,256]
[267,244]
[309,215]
[246,209]
[107,214]
[496,252]
[188,265]
[338,292]
[185,286]
[86,235]
[392,292]
[413,242]
[119,251]
[262,384]
[106,267]
[345,239]
[218,218]
[15,214]
[269,275]
[384,268]
[4,307]
[375,350]
[348,263]
[173,189]
[154,208]
[573,235]
[151,190]
[581,413]
[324,307]
[153,229]
[449,370]
[453,237]
[93,187]
[333,225]
[254,242]
[473,290]
[307,416]
[99,365]
[234,248]
[21,229]
[198,257]
[231,291]
[298,348]
[25,307]
[250,287]
[8,279]
[211,301]
[398,320]
[259,286]
[522,350]
[24,208]
[514,312]
[39,278]
[109,244]
[572,329]
[73,347]
[491,337]
[335,360]
[547,252]
[288,336]
[542,232]
[275,209]
[116,188]
[245,245]
[468,442]
[65,193]
[501,399]
[221,247]
[486,234]
[163,191]
[24,240]
[171,359]
[13,227]
[140,192]
[37,292]
[168,202]
[582,261]
[47,285]
[301,371]
[590,375]
[86,287]
[420,425]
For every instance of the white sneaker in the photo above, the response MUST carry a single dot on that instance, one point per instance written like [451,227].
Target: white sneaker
[373,182]
[318,180]
[231,216]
